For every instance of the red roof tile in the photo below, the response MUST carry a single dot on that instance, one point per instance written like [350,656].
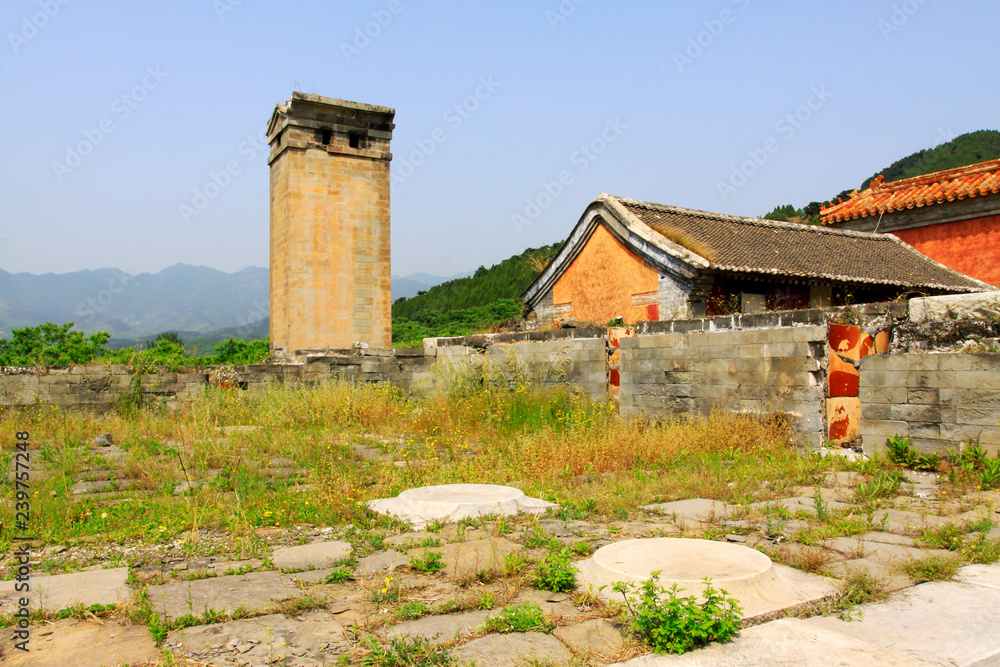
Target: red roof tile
[941,186]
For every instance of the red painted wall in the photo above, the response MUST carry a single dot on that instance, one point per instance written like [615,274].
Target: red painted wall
[602,280]
[969,246]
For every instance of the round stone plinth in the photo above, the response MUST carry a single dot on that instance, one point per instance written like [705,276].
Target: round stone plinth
[745,574]
[453,502]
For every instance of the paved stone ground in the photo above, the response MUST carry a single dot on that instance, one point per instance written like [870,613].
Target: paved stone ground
[306,621]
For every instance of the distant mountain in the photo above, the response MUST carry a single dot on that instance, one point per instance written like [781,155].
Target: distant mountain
[407,287]
[194,300]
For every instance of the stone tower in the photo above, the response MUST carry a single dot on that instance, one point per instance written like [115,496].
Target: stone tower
[330,272]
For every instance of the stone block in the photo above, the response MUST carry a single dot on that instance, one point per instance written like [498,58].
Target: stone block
[879,411]
[961,432]
[925,430]
[977,416]
[888,362]
[915,413]
[878,428]
[869,394]
[923,396]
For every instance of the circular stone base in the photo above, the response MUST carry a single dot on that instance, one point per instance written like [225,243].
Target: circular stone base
[744,573]
[453,502]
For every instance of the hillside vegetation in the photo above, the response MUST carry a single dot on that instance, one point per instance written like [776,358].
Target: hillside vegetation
[52,344]
[961,151]
[469,305]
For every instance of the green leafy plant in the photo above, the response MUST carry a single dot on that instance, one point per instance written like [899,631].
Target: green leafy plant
[405,652]
[339,576]
[671,623]
[411,611]
[556,573]
[428,562]
[527,617]
[486,600]
[900,451]
[537,538]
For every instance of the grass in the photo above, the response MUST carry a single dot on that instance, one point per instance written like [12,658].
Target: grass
[527,617]
[932,568]
[558,443]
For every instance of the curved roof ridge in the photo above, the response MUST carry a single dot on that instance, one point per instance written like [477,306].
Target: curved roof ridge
[761,222]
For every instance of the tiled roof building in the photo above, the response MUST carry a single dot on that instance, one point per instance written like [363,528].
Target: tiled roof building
[645,261]
[952,216]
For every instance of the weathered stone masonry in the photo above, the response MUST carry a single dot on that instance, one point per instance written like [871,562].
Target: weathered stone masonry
[330,263]
[769,362]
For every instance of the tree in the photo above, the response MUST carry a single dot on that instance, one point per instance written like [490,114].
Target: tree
[51,345]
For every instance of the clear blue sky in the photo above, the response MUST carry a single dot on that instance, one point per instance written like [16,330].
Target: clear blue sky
[665,118]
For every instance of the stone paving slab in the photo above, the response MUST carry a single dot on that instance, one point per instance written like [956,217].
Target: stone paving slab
[788,642]
[263,639]
[981,575]
[317,554]
[512,649]
[797,504]
[596,636]
[902,521]
[464,557]
[852,547]
[439,629]
[888,538]
[893,578]
[253,591]
[73,642]
[695,509]
[59,591]
[385,561]
[944,622]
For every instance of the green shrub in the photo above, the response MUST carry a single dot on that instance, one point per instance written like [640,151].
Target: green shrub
[670,623]
[556,573]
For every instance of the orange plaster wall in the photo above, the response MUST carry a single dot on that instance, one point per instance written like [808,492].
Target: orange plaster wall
[968,246]
[602,279]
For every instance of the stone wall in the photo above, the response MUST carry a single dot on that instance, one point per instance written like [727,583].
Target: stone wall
[101,387]
[853,383]
[939,401]
[755,370]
